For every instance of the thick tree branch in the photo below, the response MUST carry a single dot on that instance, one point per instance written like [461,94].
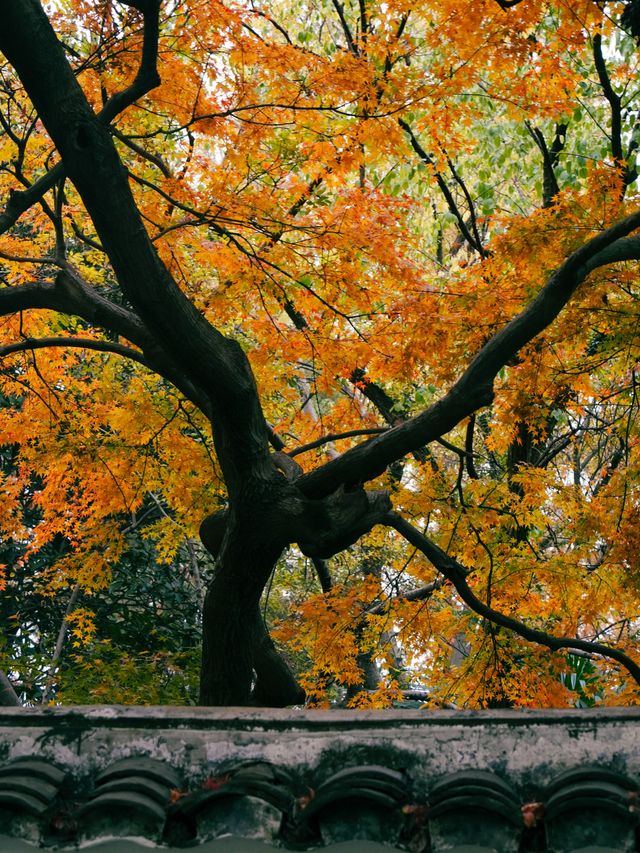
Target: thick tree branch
[212,362]
[69,294]
[321,528]
[376,394]
[78,343]
[147,77]
[456,573]
[468,448]
[474,389]
[550,188]
[324,576]
[21,200]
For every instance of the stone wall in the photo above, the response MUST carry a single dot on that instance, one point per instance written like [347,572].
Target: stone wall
[526,751]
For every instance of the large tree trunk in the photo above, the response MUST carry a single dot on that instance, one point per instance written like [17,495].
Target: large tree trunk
[240,664]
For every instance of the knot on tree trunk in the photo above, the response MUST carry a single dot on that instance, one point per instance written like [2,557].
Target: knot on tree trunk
[334,523]
[212,531]
[321,528]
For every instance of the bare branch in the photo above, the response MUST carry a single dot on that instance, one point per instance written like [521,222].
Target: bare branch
[339,7]
[142,152]
[420,594]
[612,97]
[444,189]
[62,633]
[335,436]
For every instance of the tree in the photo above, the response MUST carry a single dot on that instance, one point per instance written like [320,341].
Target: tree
[377,224]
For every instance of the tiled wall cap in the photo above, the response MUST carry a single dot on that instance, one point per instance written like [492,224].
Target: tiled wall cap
[18,802]
[380,785]
[483,779]
[33,767]
[385,779]
[122,803]
[588,796]
[265,772]
[496,805]
[197,801]
[471,790]
[44,791]
[325,799]
[243,816]
[134,784]
[590,773]
[151,768]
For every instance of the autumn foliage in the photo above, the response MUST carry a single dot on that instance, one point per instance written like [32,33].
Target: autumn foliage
[415,226]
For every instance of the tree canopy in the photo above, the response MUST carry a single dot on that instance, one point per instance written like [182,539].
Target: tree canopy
[348,290]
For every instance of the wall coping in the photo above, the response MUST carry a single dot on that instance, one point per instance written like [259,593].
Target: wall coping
[96,772]
[162,716]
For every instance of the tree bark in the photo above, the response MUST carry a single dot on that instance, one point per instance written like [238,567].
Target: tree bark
[8,696]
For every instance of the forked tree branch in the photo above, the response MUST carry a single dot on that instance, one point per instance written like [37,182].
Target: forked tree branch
[197,350]
[444,189]
[147,77]
[69,294]
[145,80]
[21,200]
[474,388]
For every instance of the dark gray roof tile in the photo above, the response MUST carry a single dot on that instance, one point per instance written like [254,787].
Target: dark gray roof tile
[236,814]
[126,814]
[19,802]
[591,805]
[151,768]
[35,768]
[361,819]
[135,784]
[38,788]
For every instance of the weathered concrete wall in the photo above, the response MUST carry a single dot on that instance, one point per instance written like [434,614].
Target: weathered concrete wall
[412,780]
[528,748]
